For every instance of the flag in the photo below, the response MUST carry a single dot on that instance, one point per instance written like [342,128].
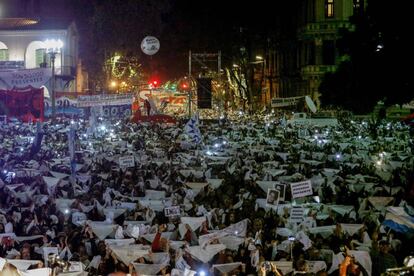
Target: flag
[37,141]
[71,144]
[192,130]
[397,219]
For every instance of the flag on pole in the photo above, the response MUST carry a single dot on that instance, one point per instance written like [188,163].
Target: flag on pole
[192,130]
[37,141]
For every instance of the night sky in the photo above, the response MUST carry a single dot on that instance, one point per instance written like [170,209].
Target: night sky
[180,25]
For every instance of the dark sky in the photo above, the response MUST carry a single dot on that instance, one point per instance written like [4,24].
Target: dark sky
[186,24]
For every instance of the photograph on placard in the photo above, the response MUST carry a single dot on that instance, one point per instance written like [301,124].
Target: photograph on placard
[281,187]
[272,198]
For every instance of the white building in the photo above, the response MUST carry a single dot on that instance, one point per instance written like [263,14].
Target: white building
[22,46]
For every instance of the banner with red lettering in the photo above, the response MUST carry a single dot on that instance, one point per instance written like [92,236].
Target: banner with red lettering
[26,104]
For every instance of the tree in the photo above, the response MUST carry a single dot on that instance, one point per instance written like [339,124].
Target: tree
[373,55]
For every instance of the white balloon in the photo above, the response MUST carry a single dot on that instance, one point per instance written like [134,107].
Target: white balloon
[150,45]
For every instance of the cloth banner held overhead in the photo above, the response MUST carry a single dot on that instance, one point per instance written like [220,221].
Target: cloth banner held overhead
[104,100]
[25,104]
[23,78]
[282,102]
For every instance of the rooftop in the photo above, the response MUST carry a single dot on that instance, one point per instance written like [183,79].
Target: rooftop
[34,24]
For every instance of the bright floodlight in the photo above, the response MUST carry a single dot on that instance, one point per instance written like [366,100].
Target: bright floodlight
[259,58]
[202,273]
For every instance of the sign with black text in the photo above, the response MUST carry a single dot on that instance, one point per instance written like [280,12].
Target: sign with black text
[126,161]
[301,189]
[296,214]
[172,211]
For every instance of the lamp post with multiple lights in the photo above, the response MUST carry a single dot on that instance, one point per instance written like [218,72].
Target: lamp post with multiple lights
[53,47]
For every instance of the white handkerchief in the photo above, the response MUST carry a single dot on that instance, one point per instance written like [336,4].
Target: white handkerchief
[148,269]
[207,253]
[129,253]
[226,268]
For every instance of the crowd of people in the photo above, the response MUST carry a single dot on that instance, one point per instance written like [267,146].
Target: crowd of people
[148,199]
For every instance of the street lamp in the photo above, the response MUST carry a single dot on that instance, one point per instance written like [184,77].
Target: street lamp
[53,47]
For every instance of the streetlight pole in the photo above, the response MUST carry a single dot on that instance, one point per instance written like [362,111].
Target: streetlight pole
[52,60]
[53,47]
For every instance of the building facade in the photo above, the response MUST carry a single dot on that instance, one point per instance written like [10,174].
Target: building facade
[319,25]
[22,46]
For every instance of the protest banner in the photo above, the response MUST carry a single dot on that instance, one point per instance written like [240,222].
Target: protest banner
[105,100]
[26,77]
[282,102]
[25,104]
[126,161]
[301,189]
[172,211]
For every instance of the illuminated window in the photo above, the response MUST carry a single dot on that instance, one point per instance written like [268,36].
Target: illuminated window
[41,57]
[329,8]
[4,54]
[358,6]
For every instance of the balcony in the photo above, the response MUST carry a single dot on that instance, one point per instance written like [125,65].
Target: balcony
[317,70]
[311,30]
[66,73]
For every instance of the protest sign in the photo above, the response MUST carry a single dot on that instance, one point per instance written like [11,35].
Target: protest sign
[126,161]
[272,198]
[281,187]
[296,214]
[47,251]
[301,189]
[172,211]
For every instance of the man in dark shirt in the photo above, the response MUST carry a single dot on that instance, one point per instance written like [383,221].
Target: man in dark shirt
[381,259]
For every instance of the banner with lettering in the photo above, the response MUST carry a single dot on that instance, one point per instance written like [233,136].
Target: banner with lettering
[105,100]
[64,106]
[23,78]
[282,102]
